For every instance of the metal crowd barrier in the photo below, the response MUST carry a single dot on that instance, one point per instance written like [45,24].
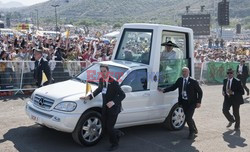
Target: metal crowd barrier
[17,76]
[215,72]
[200,72]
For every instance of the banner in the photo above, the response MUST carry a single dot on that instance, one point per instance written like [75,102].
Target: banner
[216,71]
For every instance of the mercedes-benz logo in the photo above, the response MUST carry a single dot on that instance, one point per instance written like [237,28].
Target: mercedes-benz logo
[41,102]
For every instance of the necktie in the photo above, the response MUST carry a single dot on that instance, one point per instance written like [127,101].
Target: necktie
[104,84]
[185,85]
[228,84]
[36,64]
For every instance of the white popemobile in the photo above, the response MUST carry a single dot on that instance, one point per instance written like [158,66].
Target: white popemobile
[137,66]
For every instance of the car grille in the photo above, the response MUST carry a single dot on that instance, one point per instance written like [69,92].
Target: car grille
[43,102]
[40,113]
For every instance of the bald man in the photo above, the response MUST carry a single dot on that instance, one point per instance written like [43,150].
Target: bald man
[190,95]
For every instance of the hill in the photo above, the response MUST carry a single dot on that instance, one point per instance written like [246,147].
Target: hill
[111,11]
[12,4]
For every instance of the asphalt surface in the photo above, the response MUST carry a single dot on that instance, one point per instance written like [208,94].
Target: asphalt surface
[19,133]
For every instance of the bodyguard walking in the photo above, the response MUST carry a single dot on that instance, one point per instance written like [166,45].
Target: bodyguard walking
[190,95]
[242,74]
[232,91]
[41,70]
[112,96]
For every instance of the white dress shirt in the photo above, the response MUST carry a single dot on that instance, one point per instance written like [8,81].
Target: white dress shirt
[240,70]
[184,92]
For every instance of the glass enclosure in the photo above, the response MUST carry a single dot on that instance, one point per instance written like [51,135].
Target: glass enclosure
[135,46]
[173,59]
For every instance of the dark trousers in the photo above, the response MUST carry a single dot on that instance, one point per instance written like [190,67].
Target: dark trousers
[110,120]
[243,82]
[236,114]
[189,112]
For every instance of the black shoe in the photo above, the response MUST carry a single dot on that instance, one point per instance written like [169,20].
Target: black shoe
[191,136]
[120,134]
[113,147]
[230,124]
[196,132]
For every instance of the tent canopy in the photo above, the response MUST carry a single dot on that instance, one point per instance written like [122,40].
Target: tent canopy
[112,34]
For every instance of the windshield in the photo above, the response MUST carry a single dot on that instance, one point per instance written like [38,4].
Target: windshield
[135,45]
[92,74]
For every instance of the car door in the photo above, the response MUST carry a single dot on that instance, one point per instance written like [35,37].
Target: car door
[169,72]
[135,103]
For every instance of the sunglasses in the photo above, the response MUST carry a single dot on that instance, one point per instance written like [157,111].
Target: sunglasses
[229,72]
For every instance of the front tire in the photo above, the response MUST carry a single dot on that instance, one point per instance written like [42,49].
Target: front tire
[175,119]
[89,129]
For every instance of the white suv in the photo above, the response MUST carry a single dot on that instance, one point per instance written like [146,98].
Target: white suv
[139,72]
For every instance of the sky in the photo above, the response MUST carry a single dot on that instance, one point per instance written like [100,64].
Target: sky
[25,2]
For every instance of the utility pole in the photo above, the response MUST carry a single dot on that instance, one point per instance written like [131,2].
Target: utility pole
[55,6]
[187,9]
[37,21]
[202,8]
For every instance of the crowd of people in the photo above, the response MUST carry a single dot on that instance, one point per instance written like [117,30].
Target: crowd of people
[56,50]
[221,51]
[88,50]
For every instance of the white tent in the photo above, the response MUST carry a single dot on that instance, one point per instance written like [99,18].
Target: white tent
[112,34]
[69,26]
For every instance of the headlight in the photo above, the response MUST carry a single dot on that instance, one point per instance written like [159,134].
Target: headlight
[67,106]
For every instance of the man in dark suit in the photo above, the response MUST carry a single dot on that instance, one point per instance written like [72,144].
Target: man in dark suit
[41,65]
[242,74]
[112,96]
[232,92]
[190,95]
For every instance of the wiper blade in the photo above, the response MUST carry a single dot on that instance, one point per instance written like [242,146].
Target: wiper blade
[78,79]
[92,82]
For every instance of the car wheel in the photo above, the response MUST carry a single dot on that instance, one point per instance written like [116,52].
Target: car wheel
[175,119]
[89,129]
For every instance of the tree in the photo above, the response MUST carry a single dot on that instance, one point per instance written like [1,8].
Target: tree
[116,25]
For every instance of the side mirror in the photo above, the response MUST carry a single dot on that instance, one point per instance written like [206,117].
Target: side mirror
[126,88]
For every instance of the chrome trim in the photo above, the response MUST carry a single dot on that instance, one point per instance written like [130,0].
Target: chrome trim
[40,113]
[43,102]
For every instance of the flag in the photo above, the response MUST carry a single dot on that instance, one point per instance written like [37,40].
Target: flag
[88,88]
[98,34]
[44,78]
[67,34]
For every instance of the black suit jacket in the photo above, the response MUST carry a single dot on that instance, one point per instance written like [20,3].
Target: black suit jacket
[194,92]
[43,66]
[238,90]
[114,93]
[244,71]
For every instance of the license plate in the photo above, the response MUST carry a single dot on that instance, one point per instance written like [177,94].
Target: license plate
[34,118]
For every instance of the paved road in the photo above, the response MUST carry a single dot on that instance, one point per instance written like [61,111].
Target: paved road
[18,133]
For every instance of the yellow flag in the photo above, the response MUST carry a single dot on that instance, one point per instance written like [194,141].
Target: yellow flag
[67,34]
[98,34]
[88,88]
[44,78]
